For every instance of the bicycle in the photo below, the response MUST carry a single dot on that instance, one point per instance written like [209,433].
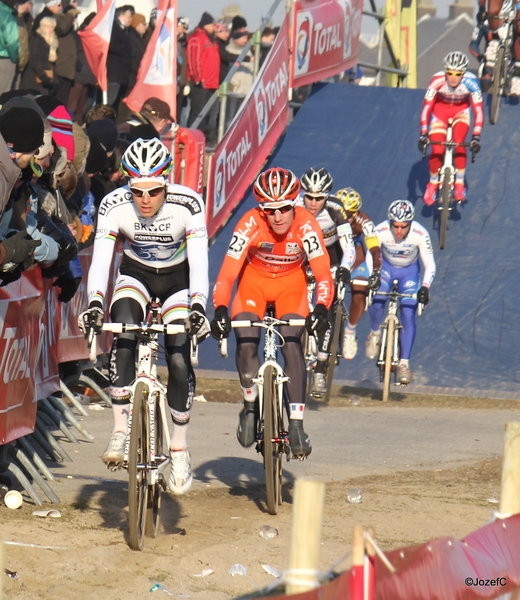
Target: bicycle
[272,439]
[502,71]
[445,201]
[388,358]
[146,452]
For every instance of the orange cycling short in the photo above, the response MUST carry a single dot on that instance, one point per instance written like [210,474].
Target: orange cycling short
[255,291]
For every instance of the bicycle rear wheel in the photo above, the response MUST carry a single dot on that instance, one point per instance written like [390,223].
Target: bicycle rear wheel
[138,458]
[154,491]
[333,360]
[496,89]
[272,454]
[445,206]
[388,358]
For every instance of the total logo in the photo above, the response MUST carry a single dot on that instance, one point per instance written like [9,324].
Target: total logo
[304,25]
[261,112]
[220,182]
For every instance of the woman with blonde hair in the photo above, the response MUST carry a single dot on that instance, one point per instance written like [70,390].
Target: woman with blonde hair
[43,52]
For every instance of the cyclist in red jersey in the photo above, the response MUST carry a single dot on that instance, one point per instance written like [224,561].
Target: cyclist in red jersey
[269,250]
[450,95]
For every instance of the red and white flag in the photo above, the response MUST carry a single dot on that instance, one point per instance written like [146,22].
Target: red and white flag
[96,40]
[157,75]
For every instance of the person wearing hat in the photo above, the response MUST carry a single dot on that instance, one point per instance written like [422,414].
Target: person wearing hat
[119,56]
[43,53]
[153,120]
[105,130]
[21,135]
[65,68]
[222,33]
[9,44]
[51,9]
[204,72]
[242,79]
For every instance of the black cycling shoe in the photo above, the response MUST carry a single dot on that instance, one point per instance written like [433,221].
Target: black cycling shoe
[299,441]
[246,430]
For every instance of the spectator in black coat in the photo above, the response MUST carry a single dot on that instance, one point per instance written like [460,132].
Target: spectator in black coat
[43,48]
[119,56]
[136,32]
[84,80]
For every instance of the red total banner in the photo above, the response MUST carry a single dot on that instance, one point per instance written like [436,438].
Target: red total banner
[252,135]
[325,39]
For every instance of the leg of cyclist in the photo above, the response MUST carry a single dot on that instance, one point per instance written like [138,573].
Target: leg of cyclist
[360,270]
[319,380]
[514,90]
[460,131]
[494,8]
[438,127]
[409,282]
[376,312]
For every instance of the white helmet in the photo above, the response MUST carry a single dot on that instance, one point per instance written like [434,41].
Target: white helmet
[146,158]
[401,211]
[456,61]
[317,181]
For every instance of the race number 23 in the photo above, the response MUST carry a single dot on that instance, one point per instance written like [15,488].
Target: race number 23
[237,245]
[312,245]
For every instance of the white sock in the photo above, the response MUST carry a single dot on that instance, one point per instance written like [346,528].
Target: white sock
[350,329]
[178,437]
[250,394]
[296,412]
[121,412]
[404,361]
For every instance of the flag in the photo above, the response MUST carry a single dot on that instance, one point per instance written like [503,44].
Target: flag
[157,75]
[96,40]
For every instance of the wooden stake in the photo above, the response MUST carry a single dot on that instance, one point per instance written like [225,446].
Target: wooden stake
[510,487]
[309,497]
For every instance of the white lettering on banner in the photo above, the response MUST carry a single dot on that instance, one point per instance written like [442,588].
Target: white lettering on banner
[235,157]
[277,86]
[15,360]
[327,39]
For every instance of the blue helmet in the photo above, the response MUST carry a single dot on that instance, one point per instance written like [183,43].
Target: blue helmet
[401,211]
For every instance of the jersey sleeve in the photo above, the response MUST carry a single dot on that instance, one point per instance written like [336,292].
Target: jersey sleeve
[372,242]
[197,251]
[428,103]
[427,259]
[476,103]
[345,236]
[234,259]
[104,243]
[319,261]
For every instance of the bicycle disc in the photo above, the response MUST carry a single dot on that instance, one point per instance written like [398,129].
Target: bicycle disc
[138,457]
[333,360]
[496,89]
[154,491]
[388,358]
[445,206]
[272,454]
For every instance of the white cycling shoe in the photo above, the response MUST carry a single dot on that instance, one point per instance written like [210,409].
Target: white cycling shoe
[514,88]
[372,345]
[115,452]
[319,383]
[180,474]
[349,345]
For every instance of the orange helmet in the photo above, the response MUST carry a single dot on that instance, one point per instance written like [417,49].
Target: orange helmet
[276,187]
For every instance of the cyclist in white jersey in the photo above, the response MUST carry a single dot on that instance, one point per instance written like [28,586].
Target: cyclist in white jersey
[316,184]
[165,256]
[404,245]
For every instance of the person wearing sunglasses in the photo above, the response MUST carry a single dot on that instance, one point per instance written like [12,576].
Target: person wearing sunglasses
[367,264]
[165,256]
[405,244]
[450,95]
[268,254]
[316,185]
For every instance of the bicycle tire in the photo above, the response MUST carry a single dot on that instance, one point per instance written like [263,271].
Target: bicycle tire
[272,455]
[333,360]
[445,206]
[388,358]
[154,491]
[138,456]
[496,89]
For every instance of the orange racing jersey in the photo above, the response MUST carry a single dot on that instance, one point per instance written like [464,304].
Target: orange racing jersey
[254,245]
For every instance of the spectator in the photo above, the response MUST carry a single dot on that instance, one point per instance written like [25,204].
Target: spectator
[25,24]
[106,132]
[51,9]
[119,56]
[204,72]
[222,33]
[65,69]
[9,45]
[153,120]
[84,80]
[268,37]
[100,111]
[242,79]
[151,25]
[136,32]
[62,134]
[43,52]
[183,89]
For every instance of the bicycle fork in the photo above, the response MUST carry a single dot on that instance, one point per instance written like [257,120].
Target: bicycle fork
[395,342]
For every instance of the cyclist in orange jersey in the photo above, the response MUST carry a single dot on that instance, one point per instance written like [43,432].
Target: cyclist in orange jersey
[268,254]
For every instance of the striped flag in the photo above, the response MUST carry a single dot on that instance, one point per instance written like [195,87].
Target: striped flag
[96,40]
[157,75]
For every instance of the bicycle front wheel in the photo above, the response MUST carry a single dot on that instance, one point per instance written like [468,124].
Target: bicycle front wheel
[445,205]
[337,324]
[162,446]
[388,358]
[272,431]
[496,89]
[138,458]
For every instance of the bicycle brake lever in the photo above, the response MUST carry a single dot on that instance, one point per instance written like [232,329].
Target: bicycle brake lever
[194,351]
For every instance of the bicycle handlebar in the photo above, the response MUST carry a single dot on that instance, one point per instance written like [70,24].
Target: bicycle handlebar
[398,295]
[451,145]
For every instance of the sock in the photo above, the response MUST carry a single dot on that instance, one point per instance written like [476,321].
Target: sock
[376,333]
[296,412]
[351,329]
[178,437]
[459,176]
[434,178]
[250,394]
[121,412]
[404,361]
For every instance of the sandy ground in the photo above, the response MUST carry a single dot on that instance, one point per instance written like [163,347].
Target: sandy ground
[216,527]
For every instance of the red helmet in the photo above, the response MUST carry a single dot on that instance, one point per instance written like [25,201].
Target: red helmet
[276,187]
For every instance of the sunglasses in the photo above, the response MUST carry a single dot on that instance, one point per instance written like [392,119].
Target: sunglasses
[317,197]
[400,226]
[152,192]
[454,73]
[270,212]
